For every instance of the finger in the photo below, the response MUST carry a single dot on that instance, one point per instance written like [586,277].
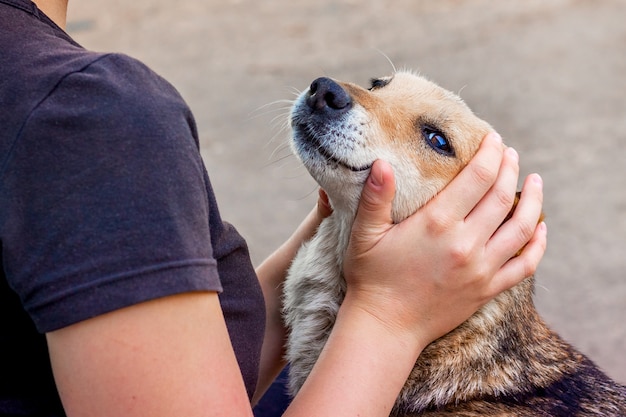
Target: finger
[491,211]
[520,228]
[523,266]
[323,205]
[374,211]
[473,182]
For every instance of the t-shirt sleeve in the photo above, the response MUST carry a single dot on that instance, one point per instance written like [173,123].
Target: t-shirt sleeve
[109,202]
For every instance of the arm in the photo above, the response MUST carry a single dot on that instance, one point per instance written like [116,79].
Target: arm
[172,356]
[166,357]
[272,273]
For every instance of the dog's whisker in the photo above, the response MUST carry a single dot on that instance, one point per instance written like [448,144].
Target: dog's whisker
[290,170]
[278,140]
[282,118]
[393,67]
[295,91]
[282,148]
[269,108]
[310,193]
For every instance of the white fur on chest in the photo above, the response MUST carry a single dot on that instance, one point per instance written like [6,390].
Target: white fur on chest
[313,291]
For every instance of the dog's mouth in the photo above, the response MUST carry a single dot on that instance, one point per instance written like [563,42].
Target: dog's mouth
[309,140]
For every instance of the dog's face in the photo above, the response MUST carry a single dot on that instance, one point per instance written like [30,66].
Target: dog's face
[425,132]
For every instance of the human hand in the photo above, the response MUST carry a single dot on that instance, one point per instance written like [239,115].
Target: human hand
[429,273]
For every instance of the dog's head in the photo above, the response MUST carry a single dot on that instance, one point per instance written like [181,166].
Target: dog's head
[425,132]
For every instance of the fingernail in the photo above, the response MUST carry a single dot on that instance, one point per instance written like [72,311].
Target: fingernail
[537,179]
[323,198]
[377,178]
[376,174]
[496,137]
[512,153]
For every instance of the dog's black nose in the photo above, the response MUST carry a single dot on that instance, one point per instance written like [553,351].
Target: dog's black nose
[325,92]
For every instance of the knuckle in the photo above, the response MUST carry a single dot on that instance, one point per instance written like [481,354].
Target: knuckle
[461,254]
[526,230]
[483,174]
[482,279]
[439,224]
[531,258]
[529,267]
[505,198]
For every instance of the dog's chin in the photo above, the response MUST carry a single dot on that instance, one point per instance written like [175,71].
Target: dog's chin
[342,184]
[338,169]
[309,146]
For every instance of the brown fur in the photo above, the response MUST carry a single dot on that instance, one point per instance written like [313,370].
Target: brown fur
[504,360]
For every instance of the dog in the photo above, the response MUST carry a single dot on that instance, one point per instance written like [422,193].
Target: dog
[502,361]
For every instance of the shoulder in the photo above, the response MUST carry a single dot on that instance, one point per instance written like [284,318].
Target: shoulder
[124,75]
[115,87]
[115,103]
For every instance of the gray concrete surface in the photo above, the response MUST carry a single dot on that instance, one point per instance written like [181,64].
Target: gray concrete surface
[549,75]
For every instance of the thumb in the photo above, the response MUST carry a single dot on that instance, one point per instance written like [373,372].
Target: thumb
[374,211]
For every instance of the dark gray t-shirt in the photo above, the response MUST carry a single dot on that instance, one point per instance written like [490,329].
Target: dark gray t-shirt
[104,203]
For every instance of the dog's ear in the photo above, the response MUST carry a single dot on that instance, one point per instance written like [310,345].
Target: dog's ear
[508,216]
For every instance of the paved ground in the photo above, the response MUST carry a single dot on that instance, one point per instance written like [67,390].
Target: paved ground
[550,76]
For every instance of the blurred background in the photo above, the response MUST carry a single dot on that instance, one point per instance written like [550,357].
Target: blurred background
[550,76]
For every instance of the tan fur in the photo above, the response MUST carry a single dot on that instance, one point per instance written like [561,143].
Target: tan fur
[503,360]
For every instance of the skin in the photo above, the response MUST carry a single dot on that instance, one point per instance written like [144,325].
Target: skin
[172,356]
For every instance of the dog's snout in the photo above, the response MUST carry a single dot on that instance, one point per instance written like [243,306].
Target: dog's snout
[326,93]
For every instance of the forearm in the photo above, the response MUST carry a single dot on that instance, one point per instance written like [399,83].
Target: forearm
[361,370]
[271,276]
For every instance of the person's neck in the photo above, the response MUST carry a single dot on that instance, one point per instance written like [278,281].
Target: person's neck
[55,10]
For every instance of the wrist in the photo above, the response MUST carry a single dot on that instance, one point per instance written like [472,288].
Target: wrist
[386,315]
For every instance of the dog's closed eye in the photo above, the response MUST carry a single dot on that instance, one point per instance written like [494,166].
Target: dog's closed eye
[378,83]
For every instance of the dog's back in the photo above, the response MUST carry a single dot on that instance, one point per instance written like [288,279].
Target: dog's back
[503,361]
[586,391]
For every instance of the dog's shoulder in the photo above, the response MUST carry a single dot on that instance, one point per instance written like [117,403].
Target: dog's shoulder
[586,392]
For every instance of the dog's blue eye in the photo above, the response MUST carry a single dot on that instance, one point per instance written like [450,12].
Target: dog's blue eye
[438,142]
